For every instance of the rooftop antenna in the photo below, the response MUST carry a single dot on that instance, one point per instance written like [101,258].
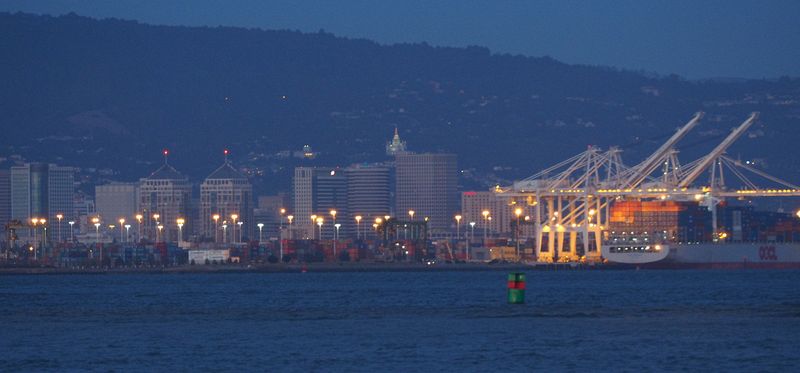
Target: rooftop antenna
[166,155]
[225,153]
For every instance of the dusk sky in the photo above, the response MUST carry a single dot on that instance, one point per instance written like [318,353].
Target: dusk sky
[731,38]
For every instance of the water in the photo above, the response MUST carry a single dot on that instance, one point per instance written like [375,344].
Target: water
[415,321]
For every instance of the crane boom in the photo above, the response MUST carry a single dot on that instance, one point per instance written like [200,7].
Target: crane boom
[709,159]
[649,165]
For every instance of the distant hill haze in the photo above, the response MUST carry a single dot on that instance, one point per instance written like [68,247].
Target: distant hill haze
[113,93]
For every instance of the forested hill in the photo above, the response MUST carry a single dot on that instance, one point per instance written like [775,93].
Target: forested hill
[111,93]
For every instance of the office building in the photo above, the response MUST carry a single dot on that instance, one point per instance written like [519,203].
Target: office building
[227,192]
[117,201]
[428,185]
[368,196]
[41,190]
[318,191]
[498,219]
[166,193]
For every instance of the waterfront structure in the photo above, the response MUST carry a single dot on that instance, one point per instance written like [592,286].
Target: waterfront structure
[116,201]
[41,190]
[164,196]
[227,192]
[368,196]
[396,146]
[428,185]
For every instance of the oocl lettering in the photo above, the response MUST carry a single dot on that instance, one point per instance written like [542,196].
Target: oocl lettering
[767,253]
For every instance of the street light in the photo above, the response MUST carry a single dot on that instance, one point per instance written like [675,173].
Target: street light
[215,217]
[44,233]
[233,233]
[127,231]
[139,218]
[240,230]
[34,221]
[518,213]
[59,216]
[411,213]
[485,214]
[96,221]
[155,224]
[224,231]
[260,236]
[121,225]
[180,222]
[319,223]
[313,221]
[358,227]
[471,237]
[458,227]
[160,228]
[335,238]
[71,230]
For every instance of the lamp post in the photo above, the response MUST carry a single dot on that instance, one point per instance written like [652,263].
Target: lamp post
[139,218]
[518,213]
[158,235]
[224,231]
[240,230]
[121,225]
[313,232]
[44,234]
[358,227]
[335,238]
[71,230]
[485,214]
[471,237]
[333,214]
[215,218]
[291,232]
[458,227]
[34,221]
[319,223]
[378,222]
[156,216]
[127,231]
[260,235]
[96,221]
[59,216]
[180,222]
[233,232]
[411,214]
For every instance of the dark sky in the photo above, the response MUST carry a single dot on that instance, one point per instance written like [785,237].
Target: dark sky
[696,39]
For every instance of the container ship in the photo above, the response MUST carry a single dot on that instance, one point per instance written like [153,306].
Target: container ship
[668,234]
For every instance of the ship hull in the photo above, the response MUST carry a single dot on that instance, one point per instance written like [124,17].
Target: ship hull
[728,256]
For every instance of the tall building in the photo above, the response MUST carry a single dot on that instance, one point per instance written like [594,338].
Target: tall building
[165,192]
[317,191]
[5,200]
[428,184]
[227,192]
[41,190]
[268,213]
[367,195]
[117,200]
[396,146]
[497,221]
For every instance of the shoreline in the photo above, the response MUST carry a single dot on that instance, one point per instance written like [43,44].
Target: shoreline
[291,268]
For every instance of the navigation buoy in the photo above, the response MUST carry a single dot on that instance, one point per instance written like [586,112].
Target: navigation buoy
[516,288]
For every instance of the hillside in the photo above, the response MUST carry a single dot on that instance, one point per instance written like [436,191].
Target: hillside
[111,93]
